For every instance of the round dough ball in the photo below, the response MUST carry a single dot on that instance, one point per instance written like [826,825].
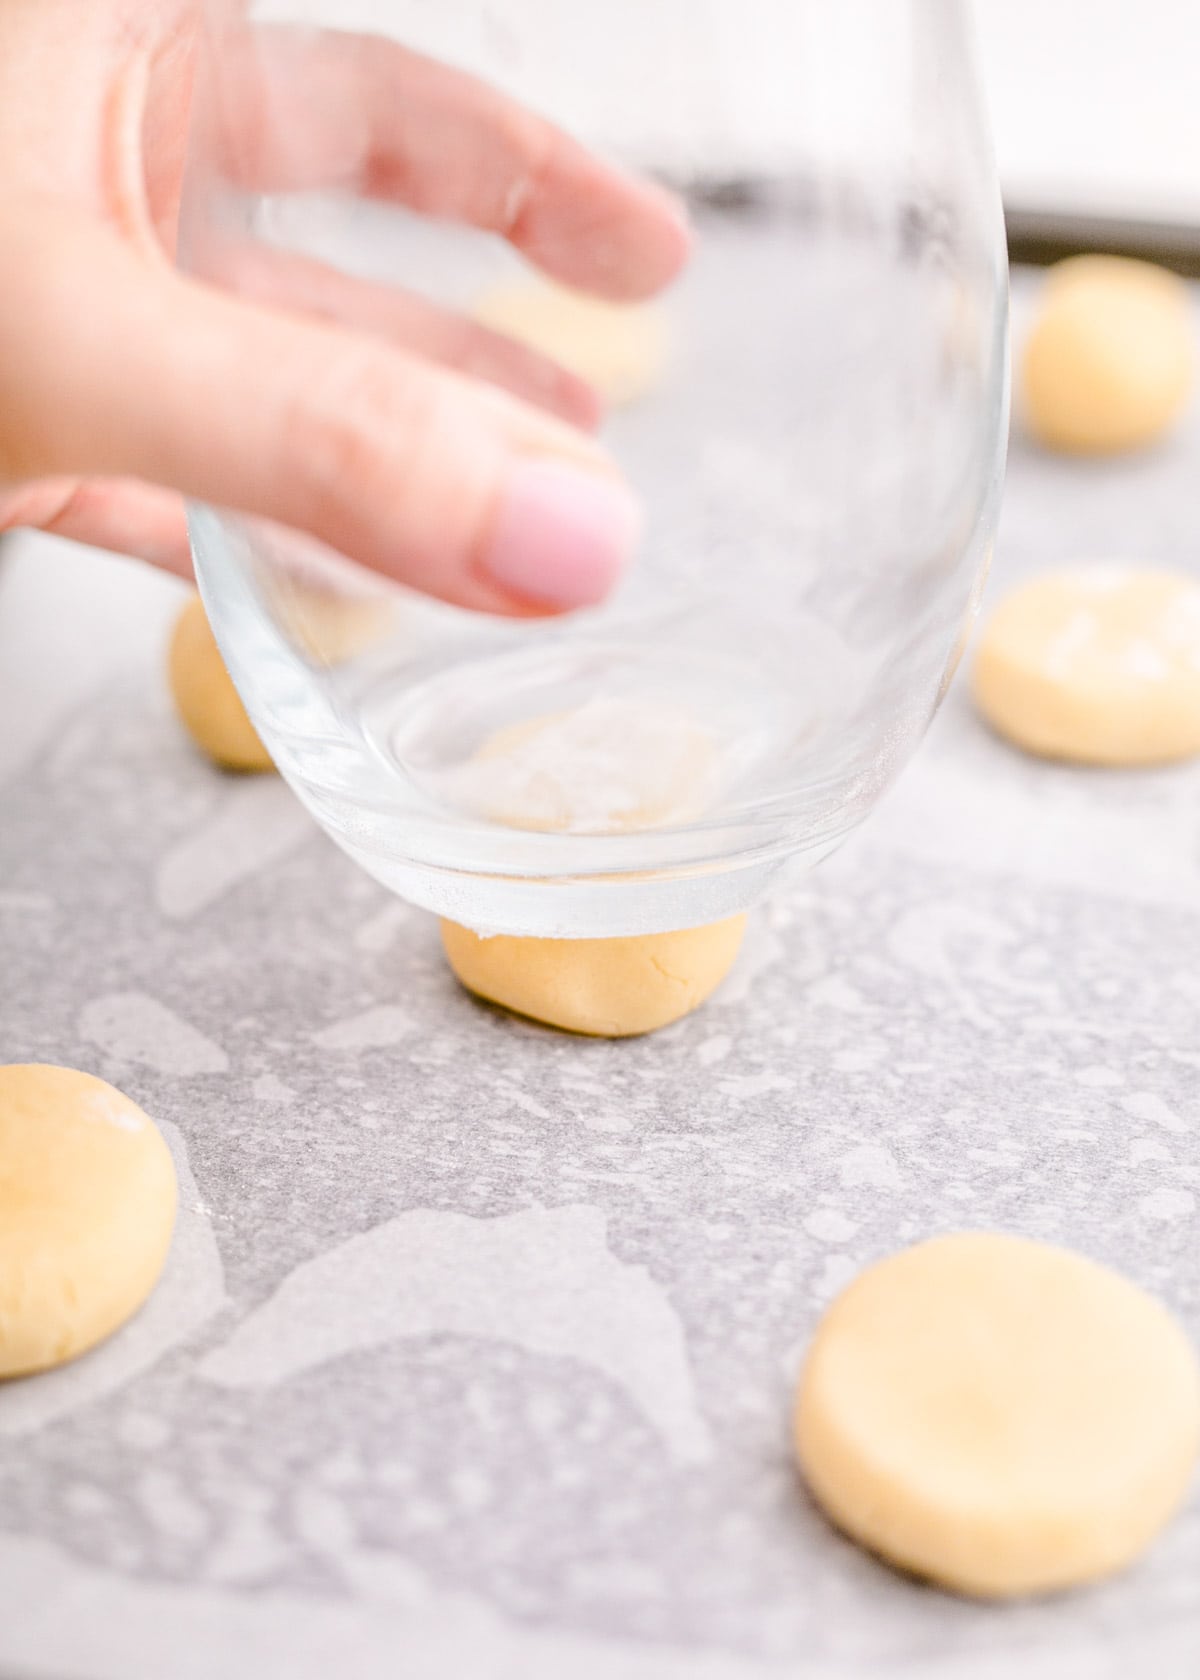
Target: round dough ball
[205,697]
[87,1207]
[606,988]
[998,1415]
[1096,665]
[1109,363]
[619,349]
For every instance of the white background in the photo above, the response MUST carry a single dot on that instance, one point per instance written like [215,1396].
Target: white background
[1096,104]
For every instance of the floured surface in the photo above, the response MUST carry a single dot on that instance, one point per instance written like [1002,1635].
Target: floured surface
[985,1010]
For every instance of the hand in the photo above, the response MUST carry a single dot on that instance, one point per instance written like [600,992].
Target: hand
[412,440]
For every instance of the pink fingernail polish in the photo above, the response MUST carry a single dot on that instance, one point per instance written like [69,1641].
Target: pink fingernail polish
[562,535]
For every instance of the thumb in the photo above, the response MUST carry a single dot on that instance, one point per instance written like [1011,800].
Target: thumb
[113,364]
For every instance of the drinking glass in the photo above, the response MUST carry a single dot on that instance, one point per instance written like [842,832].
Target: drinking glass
[818,449]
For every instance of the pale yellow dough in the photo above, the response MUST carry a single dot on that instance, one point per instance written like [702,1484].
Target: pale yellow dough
[1110,361]
[997,1415]
[604,768]
[606,988]
[618,349]
[87,1206]
[1096,665]
[205,697]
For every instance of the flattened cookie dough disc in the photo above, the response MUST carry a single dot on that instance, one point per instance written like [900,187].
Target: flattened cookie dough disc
[619,349]
[1098,665]
[87,1206]
[1110,361]
[205,697]
[607,988]
[1000,1416]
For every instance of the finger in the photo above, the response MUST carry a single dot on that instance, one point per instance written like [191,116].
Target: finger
[301,109]
[120,515]
[294,282]
[449,486]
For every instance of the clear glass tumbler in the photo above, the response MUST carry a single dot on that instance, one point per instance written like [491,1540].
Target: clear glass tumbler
[818,445]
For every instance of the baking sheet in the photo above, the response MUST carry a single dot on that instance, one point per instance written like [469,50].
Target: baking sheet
[475,1352]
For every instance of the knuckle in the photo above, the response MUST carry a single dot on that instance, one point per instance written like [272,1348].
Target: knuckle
[366,426]
[38,505]
[344,417]
[532,145]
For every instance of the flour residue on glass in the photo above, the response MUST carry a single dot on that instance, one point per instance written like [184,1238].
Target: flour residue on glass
[609,766]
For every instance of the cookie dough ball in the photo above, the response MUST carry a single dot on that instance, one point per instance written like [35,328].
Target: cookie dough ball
[205,697]
[1109,363]
[619,349]
[87,1206]
[1096,665]
[997,1415]
[606,988]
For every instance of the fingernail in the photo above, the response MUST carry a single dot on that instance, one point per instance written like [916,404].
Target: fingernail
[562,535]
